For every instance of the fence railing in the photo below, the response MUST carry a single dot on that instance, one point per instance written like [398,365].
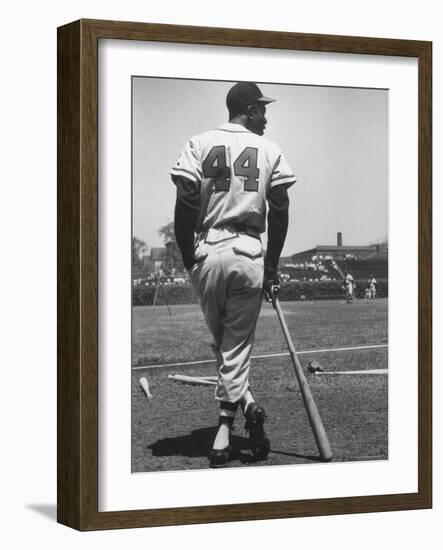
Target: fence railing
[294,290]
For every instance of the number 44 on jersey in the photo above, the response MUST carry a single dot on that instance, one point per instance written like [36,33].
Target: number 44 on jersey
[215,166]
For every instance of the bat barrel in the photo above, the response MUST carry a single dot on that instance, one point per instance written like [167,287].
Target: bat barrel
[315,420]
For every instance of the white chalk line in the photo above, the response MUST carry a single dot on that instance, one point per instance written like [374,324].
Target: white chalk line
[264,356]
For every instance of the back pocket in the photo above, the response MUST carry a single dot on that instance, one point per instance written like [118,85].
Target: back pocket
[247,253]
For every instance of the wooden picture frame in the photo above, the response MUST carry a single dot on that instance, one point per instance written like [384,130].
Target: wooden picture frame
[77,457]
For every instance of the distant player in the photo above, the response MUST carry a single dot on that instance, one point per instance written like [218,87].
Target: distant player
[367,294]
[224,178]
[371,289]
[348,285]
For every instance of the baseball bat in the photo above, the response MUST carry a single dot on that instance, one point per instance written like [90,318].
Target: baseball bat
[144,384]
[196,380]
[315,420]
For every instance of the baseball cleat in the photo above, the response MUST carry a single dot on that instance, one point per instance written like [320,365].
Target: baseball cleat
[219,457]
[255,419]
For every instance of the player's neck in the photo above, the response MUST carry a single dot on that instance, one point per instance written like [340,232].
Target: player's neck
[238,120]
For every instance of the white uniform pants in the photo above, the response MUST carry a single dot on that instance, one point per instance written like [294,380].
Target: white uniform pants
[228,280]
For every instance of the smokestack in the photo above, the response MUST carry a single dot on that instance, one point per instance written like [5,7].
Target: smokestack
[339,239]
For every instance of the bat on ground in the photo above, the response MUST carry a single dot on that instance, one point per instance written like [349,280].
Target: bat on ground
[315,420]
[194,380]
[144,384]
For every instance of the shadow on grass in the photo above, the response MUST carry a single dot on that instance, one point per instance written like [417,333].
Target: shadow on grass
[297,455]
[199,443]
[196,444]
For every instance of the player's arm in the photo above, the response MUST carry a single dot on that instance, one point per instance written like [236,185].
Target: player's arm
[186,217]
[278,201]
[186,175]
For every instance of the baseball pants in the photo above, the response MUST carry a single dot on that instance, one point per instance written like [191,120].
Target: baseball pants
[228,279]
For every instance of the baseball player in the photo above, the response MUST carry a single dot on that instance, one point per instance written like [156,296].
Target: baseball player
[348,285]
[367,294]
[224,178]
[371,289]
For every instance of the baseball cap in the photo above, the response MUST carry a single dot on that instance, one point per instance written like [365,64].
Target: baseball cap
[243,94]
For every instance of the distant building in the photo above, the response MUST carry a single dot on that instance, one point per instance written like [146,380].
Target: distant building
[340,252]
[158,254]
[153,262]
[163,259]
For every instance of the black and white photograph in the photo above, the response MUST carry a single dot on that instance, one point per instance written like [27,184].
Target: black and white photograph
[260,240]
[220,284]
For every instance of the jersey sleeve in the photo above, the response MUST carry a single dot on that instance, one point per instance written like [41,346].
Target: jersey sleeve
[188,164]
[282,173]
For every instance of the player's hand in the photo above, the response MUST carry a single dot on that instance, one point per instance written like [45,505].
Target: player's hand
[271,285]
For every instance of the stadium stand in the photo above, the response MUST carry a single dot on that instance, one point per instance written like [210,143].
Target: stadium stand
[317,269]
[362,269]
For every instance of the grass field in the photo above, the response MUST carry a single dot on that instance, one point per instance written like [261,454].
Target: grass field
[175,430]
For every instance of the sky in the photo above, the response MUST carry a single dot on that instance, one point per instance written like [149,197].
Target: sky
[335,140]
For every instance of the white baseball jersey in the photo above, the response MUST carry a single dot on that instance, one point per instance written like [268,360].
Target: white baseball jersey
[234,170]
[371,283]
[349,281]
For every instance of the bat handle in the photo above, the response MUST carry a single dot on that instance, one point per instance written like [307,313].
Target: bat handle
[274,295]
